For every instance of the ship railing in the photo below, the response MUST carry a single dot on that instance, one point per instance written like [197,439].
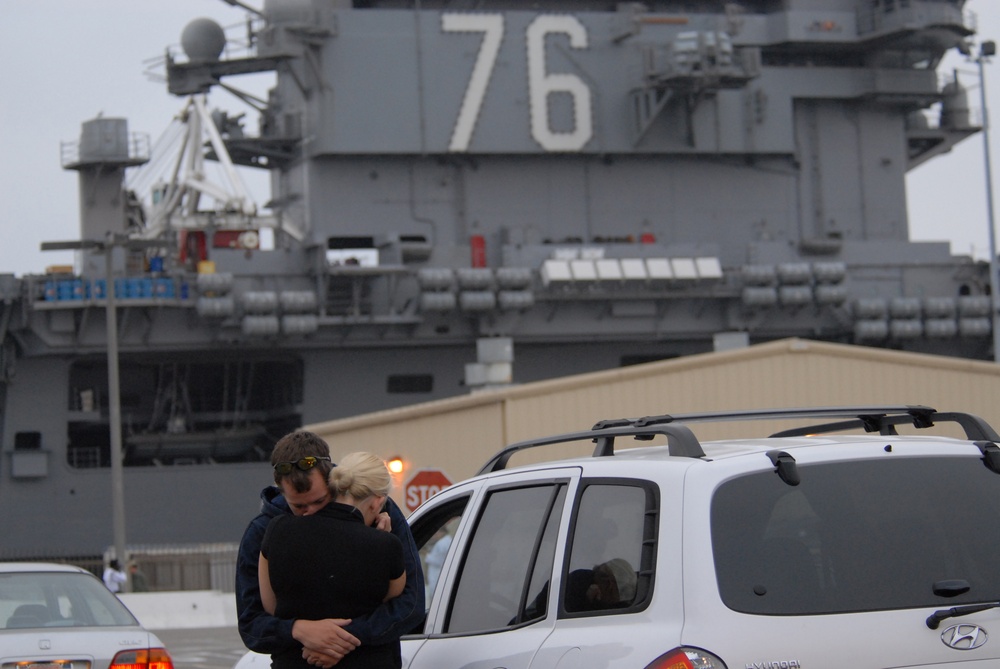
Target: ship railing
[968,103]
[138,152]
[241,42]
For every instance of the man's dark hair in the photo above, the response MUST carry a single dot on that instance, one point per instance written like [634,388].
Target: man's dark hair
[293,447]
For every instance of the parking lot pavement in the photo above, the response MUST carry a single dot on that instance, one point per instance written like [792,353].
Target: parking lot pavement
[212,648]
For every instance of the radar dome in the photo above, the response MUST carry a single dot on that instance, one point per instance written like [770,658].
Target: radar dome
[203,41]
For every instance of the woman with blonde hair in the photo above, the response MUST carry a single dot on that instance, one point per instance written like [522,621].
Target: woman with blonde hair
[334,563]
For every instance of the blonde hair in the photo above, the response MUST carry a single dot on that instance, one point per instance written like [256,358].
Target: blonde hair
[360,475]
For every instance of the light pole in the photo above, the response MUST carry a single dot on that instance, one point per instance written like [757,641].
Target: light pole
[107,247]
[987,49]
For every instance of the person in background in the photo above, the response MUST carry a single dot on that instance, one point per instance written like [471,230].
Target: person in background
[613,586]
[137,578]
[435,559]
[114,578]
[301,464]
[609,585]
[353,567]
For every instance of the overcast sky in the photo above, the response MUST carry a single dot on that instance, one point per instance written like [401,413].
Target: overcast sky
[66,61]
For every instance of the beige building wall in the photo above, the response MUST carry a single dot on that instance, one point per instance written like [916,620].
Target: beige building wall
[458,435]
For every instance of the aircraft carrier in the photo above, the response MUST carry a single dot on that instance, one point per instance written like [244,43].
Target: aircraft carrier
[466,194]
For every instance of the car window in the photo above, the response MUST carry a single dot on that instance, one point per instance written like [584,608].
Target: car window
[857,536]
[53,599]
[433,535]
[535,604]
[613,541]
[507,567]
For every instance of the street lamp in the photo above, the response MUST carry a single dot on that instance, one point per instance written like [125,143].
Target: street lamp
[107,247]
[987,49]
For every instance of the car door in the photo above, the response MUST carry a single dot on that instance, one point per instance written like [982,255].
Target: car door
[607,577]
[445,514]
[491,606]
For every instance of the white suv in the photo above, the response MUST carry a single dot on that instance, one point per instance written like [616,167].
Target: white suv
[798,550]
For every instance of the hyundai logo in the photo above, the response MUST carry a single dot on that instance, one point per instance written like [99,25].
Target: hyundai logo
[964,637]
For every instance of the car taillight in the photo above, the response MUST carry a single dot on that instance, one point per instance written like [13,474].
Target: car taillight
[687,658]
[153,658]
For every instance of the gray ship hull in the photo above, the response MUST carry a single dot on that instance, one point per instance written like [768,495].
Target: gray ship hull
[463,199]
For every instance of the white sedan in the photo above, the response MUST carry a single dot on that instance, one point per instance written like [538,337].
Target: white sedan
[55,616]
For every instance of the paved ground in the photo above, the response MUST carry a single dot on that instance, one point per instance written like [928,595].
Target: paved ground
[213,648]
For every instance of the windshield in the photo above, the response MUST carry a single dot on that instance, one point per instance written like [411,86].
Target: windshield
[55,599]
[859,536]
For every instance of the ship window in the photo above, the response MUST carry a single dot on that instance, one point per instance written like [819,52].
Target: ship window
[27,441]
[629,360]
[410,383]
[783,57]
[353,250]
[335,243]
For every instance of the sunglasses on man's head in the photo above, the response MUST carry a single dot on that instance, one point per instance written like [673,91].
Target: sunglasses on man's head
[305,464]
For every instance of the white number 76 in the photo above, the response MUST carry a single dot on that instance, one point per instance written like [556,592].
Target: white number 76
[541,84]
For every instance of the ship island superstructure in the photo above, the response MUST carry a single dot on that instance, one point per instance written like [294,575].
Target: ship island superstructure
[466,194]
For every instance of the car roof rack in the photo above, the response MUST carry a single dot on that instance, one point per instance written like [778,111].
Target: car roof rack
[680,439]
[682,442]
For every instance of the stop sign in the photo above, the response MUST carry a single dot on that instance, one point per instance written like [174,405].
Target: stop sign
[423,485]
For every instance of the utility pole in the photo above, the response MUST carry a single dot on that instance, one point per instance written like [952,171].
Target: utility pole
[987,49]
[107,247]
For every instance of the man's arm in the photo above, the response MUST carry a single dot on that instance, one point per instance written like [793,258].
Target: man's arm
[400,615]
[261,632]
